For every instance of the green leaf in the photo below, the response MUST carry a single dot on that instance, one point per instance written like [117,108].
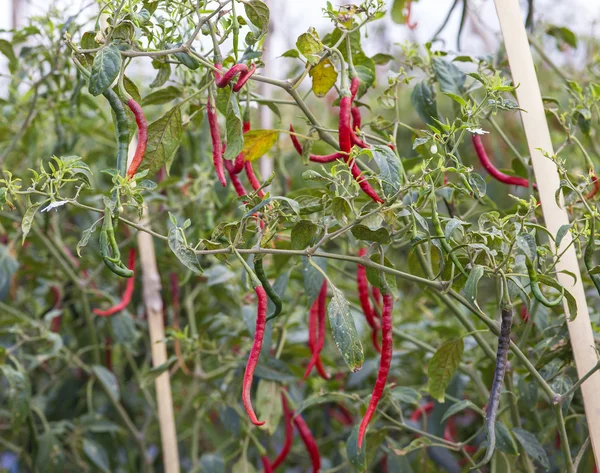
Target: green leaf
[406,395]
[302,234]
[186,59]
[442,367]
[417,444]
[456,408]
[376,277]
[478,184]
[532,446]
[266,408]
[318,399]
[561,233]
[85,238]
[7,49]
[364,233]
[258,142]
[184,254]
[105,69]
[397,11]
[27,221]
[324,77]
[243,466]
[389,169]
[563,35]
[163,74]
[234,125]
[162,96]
[423,100]
[504,440]
[341,208]
[357,456]
[18,394]
[344,331]
[212,463]
[258,13]
[470,289]
[313,279]
[310,46]
[381,59]
[97,454]
[164,137]
[108,380]
[451,78]
[50,457]
[526,243]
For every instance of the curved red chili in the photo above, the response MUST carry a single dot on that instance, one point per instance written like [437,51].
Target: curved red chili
[316,332]
[254,182]
[235,180]
[363,183]
[223,80]
[356,118]
[261,319]
[595,189]
[376,295]
[492,170]
[384,364]
[268,468]
[129,286]
[365,303]
[288,415]
[354,85]
[142,125]
[315,158]
[309,442]
[408,22]
[215,135]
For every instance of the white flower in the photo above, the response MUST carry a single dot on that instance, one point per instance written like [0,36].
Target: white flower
[433,149]
[54,205]
[478,131]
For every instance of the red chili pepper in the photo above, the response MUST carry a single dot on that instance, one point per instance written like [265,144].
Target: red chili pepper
[235,180]
[268,468]
[288,415]
[55,325]
[524,314]
[342,415]
[354,85]
[239,160]
[261,320]
[129,286]
[316,332]
[376,295]
[223,80]
[142,125]
[309,442]
[492,170]
[254,182]
[384,364]
[590,195]
[356,118]
[411,26]
[315,158]
[365,303]
[215,135]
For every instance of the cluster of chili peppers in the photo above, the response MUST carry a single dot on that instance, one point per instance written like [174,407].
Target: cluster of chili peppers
[316,333]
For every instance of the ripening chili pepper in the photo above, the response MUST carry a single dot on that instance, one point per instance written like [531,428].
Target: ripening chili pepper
[384,364]
[591,194]
[535,286]
[126,295]
[254,182]
[215,135]
[499,371]
[315,158]
[267,467]
[316,332]
[588,255]
[439,232]
[309,443]
[142,125]
[365,303]
[411,25]
[492,170]
[241,70]
[288,416]
[262,277]
[261,320]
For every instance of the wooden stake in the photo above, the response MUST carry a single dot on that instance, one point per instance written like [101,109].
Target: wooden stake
[538,140]
[154,312]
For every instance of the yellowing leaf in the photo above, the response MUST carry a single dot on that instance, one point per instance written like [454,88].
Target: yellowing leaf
[257,143]
[323,77]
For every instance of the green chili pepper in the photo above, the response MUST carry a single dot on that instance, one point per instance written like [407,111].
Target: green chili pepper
[262,277]
[437,228]
[122,127]
[535,286]
[108,244]
[588,255]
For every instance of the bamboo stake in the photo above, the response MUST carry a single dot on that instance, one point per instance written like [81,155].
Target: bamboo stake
[538,140]
[154,311]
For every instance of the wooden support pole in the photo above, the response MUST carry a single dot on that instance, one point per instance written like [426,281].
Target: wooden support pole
[538,141]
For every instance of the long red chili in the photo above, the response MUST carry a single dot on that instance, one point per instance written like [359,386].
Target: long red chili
[315,158]
[215,135]
[261,320]
[384,364]
[356,118]
[309,442]
[492,170]
[223,80]
[365,303]
[411,25]
[595,189]
[363,183]
[235,180]
[129,286]
[316,332]
[376,295]
[142,125]
[288,415]
[254,182]
[239,160]
[268,468]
